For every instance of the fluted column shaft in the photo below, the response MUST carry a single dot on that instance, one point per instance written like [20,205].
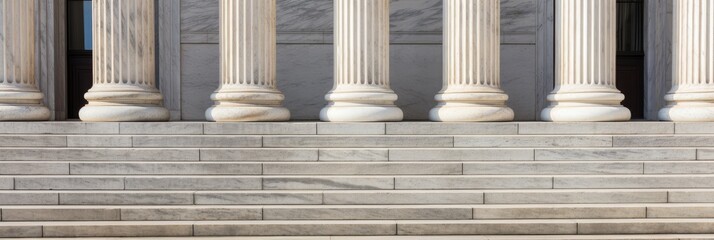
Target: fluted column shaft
[692,94]
[248,87]
[361,90]
[20,100]
[585,63]
[124,86]
[472,64]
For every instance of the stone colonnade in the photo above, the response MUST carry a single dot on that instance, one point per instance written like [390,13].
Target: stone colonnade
[124,64]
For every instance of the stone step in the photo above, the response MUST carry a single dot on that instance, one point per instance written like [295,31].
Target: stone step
[355,141]
[312,128]
[362,197]
[317,182]
[355,154]
[464,237]
[357,168]
[355,228]
[353,212]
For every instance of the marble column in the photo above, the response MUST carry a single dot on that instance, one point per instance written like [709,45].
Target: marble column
[472,64]
[692,96]
[585,62]
[124,86]
[247,91]
[361,92]
[20,99]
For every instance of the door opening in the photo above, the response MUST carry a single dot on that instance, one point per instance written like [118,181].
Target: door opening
[631,55]
[79,54]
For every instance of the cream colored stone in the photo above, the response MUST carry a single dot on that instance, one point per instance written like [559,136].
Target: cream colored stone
[472,64]
[248,90]
[20,99]
[585,61]
[692,96]
[124,88]
[361,91]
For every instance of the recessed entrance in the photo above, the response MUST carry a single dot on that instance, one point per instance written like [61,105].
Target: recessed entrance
[631,55]
[79,54]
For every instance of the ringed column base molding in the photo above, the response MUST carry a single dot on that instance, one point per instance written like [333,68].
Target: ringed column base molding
[472,64]
[692,96]
[361,104]
[248,90]
[124,87]
[585,61]
[361,92]
[20,99]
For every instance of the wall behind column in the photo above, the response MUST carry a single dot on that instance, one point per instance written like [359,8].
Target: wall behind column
[305,55]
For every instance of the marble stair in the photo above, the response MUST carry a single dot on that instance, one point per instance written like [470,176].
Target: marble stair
[634,180]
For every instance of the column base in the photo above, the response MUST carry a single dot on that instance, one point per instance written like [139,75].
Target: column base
[361,106]
[689,105]
[123,113]
[471,114]
[475,104]
[247,114]
[586,107]
[24,113]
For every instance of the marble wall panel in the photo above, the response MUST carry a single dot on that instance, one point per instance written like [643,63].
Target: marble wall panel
[310,21]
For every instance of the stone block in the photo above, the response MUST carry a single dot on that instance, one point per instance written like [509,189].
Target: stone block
[28,198]
[487,227]
[575,196]
[118,229]
[432,128]
[694,127]
[161,128]
[192,213]
[33,168]
[126,198]
[473,182]
[259,198]
[351,128]
[197,141]
[559,212]
[258,154]
[33,141]
[633,182]
[367,213]
[362,168]
[357,141]
[546,168]
[595,128]
[206,168]
[69,183]
[7,183]
[97,154]
[446,154]
[353,155]
[296,228]
[532,141]
[80,141]
[404,197]
[691,196]
[328,183]
[193,183]
[292,128]
[612,154]
[663,141]
[705,154]
[646,226]
[20,230]
[701,167]
[60,214]
[681,211]
[58,128]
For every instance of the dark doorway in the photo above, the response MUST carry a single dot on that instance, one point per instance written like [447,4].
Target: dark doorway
[79,54]
[631,55]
